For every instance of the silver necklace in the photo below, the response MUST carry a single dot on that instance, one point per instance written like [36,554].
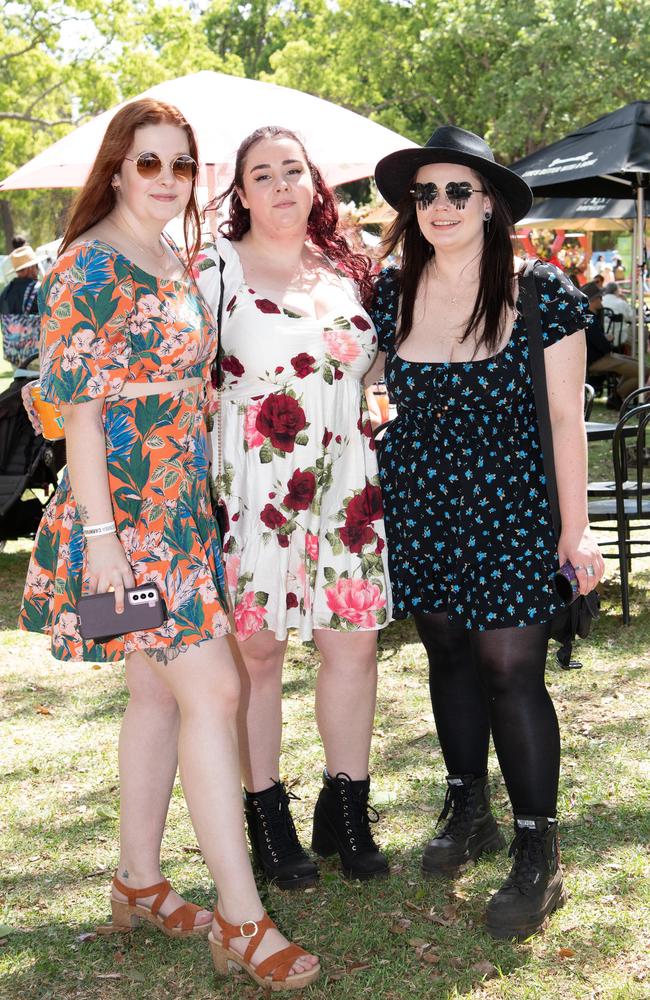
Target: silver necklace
[158,256]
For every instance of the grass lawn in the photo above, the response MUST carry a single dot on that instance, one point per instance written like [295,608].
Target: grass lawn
[401,937]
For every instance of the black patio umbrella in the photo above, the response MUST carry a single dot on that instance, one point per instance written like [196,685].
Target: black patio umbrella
[609,158]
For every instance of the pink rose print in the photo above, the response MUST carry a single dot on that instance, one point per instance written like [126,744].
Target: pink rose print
[232,571]
[249,616]
[266,306]
[253,437]
[342,346]
[360,322]
[311,546]
[355,601]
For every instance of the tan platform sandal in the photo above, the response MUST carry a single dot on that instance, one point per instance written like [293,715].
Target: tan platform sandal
[273,972]
[127,914]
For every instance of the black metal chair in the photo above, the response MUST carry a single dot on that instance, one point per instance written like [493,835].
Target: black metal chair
[624,505]
[590,393]
[613,327]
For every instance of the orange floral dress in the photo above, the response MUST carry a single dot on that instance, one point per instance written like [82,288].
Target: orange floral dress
[105,322]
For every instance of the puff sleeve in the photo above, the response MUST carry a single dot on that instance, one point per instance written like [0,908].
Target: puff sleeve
[563,307]
[383,311]
[86,301]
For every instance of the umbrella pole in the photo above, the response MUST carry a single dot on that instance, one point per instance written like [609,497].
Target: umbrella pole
[639,269]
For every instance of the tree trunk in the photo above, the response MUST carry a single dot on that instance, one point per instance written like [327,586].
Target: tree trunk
[7,223]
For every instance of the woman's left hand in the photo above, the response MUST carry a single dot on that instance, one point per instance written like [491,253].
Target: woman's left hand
[584,555]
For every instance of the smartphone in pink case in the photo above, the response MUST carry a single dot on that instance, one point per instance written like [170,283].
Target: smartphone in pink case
[144,609]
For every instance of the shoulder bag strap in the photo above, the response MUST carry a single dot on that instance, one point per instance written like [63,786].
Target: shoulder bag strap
[217,372]
[30,295]
[531,312]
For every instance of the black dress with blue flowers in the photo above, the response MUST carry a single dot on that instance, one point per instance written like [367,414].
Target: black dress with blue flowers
[466,510]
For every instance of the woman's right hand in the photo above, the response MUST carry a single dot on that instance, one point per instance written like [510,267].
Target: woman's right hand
[28,403]
[108,568]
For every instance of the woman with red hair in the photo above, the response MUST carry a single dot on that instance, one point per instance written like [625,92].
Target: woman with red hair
[127,344]
[305,546]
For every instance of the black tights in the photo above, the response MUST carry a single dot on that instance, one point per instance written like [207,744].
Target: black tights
[494,681]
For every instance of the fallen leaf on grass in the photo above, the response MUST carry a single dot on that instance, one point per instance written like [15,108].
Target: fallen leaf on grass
[418,943]
[430,956]
[108,975]
[5,930]
[43,710]
[357,966]
[486,969]
[446,918]
[457,962]
[98,871]
[335,974]
[87,936]
[119,957]
[191,850]
[107,812]
[400,926]
[566,952]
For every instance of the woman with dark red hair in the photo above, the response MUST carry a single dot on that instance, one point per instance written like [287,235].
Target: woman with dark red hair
[305,546]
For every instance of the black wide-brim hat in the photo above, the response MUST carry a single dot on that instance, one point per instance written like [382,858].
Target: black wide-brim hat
[449,144]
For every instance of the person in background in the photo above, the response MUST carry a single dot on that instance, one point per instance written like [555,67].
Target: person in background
[472,550]
[126,349]
[601,360]
[305,546]
[20,295]
[614,300]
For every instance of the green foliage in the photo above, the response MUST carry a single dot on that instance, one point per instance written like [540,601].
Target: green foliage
[521,74]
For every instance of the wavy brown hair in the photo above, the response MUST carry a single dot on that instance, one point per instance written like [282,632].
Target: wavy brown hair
[323,221]
[496,272]
[97,197]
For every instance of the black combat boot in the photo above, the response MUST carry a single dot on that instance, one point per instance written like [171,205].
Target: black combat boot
[534,886]
[471,829]
[342,823]
[277,852]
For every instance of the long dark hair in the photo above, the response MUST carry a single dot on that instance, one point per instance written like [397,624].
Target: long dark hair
[322,225]
[97,197]
[495,292]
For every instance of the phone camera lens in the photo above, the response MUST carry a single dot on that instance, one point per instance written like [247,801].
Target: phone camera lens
[150,594]
[136,597]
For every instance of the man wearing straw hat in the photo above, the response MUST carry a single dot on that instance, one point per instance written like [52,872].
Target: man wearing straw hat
[19,297]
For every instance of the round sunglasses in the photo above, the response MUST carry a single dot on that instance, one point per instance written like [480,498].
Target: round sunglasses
[149,166]
[458,193]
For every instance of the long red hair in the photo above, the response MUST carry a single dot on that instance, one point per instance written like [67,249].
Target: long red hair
[97,197]
[322,225]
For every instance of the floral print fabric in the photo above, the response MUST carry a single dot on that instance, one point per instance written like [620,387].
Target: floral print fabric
[306,546]
[467,515]
[105,322]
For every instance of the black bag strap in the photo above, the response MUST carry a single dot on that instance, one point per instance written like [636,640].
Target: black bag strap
[216,368]
[531,312]
[30,295]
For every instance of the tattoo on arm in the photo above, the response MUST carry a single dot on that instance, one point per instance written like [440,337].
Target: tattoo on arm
[83,513]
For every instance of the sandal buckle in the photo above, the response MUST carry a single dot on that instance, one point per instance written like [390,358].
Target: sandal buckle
[248,923]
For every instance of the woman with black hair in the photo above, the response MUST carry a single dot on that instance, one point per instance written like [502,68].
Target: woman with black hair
[472,552]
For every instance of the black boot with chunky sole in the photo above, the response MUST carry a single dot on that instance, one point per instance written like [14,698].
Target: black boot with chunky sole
[277,852]
[342,824]
[534,887]
[470,830]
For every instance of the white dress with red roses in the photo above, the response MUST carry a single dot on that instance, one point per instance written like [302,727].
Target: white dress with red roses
[305,547]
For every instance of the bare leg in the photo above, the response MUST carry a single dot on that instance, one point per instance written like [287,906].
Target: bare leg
[147,760]
[205,683]
[346,692]
[260,661]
